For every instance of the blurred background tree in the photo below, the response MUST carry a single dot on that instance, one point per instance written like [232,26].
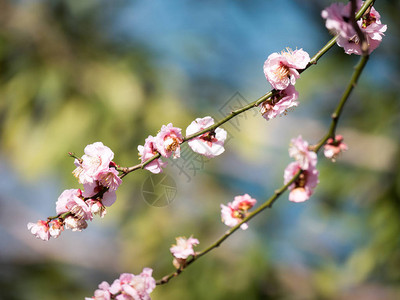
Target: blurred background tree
[76,72]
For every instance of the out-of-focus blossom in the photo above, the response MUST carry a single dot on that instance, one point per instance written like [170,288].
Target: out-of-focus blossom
[281,69]
[303,187]
[209,144]
[182,250]
[279,103]
[168,141]
[334,147]
[234,213]
[102,293]
[95,161]
[146,152]
[184,247]
[128,286]
[299,151]
[40,229]
[338,21]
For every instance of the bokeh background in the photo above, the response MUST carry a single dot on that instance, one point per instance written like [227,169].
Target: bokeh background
[76,72]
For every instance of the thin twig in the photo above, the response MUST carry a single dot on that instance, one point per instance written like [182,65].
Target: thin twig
[339,109]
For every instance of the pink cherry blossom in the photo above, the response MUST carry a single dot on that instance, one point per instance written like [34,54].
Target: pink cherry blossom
[338,22]
[97,208]
[92,189]
[71,201]
[109,198]
[55,228]
[333,147]
[230,218]
[40,230]
[335,16]
[74,223]
[209,144]
[279,103]
[243,202]
[146,152]
[145,283]
[184,247]
[135,287]
[109,179]
[300,152]
[233,213]
[302,189]
[96,160]
[281,69]
[102,293]
[168,141]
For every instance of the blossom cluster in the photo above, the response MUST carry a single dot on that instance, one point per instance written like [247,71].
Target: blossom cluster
[305,162]
[127,287]
[281,71]
[100,178]
[96,171]
[169,139]
[338,21]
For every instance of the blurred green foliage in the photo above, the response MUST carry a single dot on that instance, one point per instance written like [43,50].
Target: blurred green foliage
[65,83]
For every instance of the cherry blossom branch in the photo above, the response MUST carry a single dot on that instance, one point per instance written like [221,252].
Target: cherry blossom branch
[228,233]
[315,148]
[232,114]
[101,177]
[367,4]
[268,204]
[126,171]
[266,98]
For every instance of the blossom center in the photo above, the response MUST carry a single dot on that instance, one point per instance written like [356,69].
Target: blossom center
[302,180]
[277,97]
[78,212]
[245,205]
[138,284]
[209,138]
[94,161]
[171,143]
[368,19]
[237,214]
[281,72]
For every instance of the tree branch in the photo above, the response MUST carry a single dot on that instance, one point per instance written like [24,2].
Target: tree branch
[266,97]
